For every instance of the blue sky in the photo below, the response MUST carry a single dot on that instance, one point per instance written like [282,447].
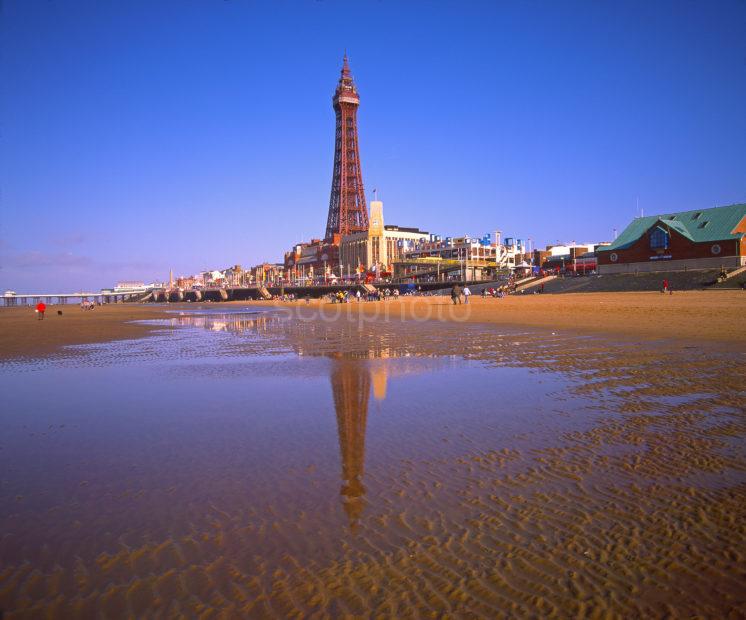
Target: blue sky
[143,135]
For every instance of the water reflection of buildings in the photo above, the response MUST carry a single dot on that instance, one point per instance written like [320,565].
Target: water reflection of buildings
[226,322]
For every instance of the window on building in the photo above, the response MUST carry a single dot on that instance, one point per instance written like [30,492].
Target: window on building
[658,239]
[703,224]
[696,215]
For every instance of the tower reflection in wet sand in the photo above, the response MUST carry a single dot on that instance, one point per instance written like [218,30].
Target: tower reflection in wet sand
[353,374]
[351,380]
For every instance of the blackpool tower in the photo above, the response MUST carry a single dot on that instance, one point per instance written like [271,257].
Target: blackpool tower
[347,207]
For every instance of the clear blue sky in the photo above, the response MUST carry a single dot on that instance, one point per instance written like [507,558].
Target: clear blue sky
[142,135]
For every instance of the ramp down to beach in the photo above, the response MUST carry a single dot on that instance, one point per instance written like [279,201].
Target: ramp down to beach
[533,283]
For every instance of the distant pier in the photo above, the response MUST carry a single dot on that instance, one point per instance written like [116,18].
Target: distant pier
[11,298]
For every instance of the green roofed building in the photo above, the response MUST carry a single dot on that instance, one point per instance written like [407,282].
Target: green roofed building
[699,239]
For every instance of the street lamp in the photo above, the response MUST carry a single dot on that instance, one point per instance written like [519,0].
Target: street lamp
[574,258]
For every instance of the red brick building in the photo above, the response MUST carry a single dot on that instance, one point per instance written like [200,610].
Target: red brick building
[312,260]
[699,239]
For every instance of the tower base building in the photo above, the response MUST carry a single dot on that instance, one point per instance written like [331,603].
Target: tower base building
[376,249]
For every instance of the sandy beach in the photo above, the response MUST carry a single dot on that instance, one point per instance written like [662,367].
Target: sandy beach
[693,315]
[23,335]
[716,316]
[469,464]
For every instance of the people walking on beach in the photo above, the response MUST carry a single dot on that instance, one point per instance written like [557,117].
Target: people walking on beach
[40,308]
[456,294]
[467,294]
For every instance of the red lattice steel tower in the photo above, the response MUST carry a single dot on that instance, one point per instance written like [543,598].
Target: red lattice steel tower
[347,207]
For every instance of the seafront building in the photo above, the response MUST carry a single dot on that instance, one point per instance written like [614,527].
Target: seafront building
[471,258]
[379,247]
[573,258]
[310,260]
[128,286]
[265,272]
[686,240]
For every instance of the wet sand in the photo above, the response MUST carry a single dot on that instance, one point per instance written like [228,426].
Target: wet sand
[630,503]
[693,315]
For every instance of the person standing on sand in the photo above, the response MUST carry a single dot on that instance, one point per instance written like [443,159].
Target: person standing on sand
[40,308]
[665,286]
[456,294]
[467,294]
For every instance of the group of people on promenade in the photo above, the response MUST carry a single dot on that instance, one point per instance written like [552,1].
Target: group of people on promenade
[344,297]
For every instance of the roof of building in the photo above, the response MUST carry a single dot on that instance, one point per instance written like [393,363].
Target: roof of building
[394,227]
[699,225]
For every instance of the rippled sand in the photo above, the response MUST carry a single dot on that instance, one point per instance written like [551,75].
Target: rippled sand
[571,477]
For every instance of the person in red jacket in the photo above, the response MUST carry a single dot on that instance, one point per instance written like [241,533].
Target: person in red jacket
[40,308]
